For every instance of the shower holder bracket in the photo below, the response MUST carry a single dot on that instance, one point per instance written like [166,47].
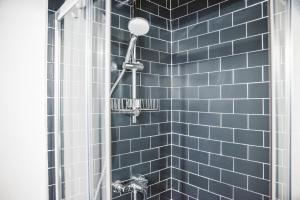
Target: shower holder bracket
[133,66]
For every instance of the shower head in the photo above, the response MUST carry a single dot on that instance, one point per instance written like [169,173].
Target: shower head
[138,26]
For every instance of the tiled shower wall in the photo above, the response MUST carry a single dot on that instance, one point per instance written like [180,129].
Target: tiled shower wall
[207,62]
[143,147]
[220,100]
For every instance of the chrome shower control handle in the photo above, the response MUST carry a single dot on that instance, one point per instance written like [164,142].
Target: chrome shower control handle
[118,186]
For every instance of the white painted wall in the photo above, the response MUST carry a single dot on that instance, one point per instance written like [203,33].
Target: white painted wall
[23,150]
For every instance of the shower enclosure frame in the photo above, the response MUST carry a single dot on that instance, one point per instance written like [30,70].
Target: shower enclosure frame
[285,113]
[59,15]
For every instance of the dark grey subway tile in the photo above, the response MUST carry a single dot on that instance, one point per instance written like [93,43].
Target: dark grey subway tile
[179,11]
[149,55]
[266,41]
[196,5]
[158,164]
[198,105]
[209,145]
[129,132]
[189,142]
[198,156]
[208,13]
[120,147]
[118,119]
[189,117]
[150,154]
[158,21]
[143,168]
[248,75]
[198,54]
[123,10]
[188,44]
[208,39]
[188,166]
[222,134]
[179,57]
[235,179]
[220,22]
[188,189]
[221,188]
[149,80]
[234,91]
[248,167]
[213,2]
[223,162]
[248,44]
[160,140]
[140,144]
[209,65]
[258,185]
[209,92]
[198,29]
[234,120]
[247,14]
[188,20]
[257,27]
[198,181]
[219,78]
[149,130]
[209,171]
[258,90]
[248,106]
[189,93]
[258,58]
[259,122]
[164,12]
[198,131]
[198,79]
[233,33]
[259,154]
[129,159]
[234,150]
[121,174]
[222,106]
[244,194]
[249,137]
[165,35]
[234,62]
[178,104]
[180,152]
[220,50]
[231,6]
[158,45]
[165,58]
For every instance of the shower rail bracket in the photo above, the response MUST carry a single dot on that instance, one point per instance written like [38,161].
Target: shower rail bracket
[133,66]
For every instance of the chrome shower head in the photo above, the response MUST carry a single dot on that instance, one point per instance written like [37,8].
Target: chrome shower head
[138,26]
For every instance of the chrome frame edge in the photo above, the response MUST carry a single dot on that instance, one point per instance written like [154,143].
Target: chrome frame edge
[107,111]
[57,133]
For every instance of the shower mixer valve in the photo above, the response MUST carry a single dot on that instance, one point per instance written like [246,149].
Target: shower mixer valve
[136,184]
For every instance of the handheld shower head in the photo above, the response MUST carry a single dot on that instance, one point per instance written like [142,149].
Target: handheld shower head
[138,26]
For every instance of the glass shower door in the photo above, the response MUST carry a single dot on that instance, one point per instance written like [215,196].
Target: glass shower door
[285,62]
[82,98]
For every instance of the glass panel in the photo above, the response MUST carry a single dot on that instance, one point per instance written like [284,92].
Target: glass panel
[73,118]
[280,36]
[84,121]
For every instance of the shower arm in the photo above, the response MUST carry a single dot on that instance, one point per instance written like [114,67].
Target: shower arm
[131,49]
